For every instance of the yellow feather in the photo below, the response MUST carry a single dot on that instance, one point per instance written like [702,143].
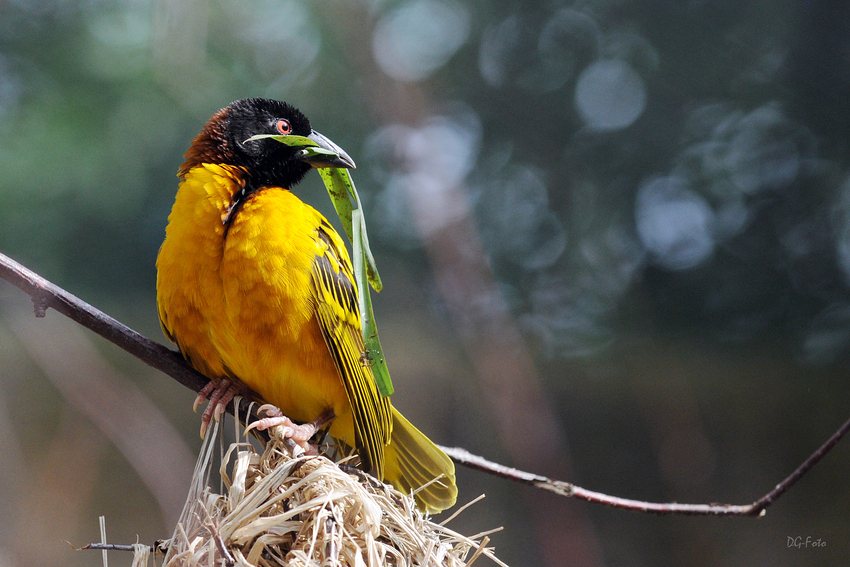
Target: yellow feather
[269,300]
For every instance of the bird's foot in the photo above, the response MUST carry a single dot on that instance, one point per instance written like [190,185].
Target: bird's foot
[220,393]
[300,434]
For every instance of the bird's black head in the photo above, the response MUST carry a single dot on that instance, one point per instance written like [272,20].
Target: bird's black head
[267,162]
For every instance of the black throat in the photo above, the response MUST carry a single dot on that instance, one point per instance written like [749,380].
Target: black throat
[249,188]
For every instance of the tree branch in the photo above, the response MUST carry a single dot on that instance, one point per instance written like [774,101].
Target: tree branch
[45,295]
[569,490]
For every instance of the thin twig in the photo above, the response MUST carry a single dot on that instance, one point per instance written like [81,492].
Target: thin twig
[781,488]
[209,524]
[111,547]
[44,295]
[569,490]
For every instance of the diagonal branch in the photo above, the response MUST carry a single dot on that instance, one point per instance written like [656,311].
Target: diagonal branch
[46,295]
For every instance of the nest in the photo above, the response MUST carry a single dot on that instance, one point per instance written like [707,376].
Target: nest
[280,510]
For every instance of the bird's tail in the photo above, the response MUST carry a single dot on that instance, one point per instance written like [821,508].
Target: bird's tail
[412,461]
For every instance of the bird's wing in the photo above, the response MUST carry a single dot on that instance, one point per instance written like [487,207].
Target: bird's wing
[339,317]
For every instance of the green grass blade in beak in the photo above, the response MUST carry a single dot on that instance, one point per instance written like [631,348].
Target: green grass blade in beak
[374,351]
[341,189]
[316,149]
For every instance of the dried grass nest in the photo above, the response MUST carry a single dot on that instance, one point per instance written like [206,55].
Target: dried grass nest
[277,510]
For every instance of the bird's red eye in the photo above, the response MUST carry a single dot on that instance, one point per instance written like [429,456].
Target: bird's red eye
[283,127]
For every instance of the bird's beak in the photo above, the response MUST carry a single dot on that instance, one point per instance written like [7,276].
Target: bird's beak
[325,153]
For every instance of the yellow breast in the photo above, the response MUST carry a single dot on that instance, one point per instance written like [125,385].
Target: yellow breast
[238,299]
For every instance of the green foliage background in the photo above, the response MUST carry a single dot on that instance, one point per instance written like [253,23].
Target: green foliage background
[657,217]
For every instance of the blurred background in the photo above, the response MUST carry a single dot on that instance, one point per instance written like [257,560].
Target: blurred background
[614,237]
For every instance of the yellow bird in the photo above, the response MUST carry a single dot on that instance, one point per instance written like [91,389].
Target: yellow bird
[256,289]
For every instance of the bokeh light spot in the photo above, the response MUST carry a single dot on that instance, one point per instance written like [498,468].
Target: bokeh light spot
[423,170]
[610,95]
[569,40]
[517,220]
[284,37]
[413,41]
[497,51]
[674,223]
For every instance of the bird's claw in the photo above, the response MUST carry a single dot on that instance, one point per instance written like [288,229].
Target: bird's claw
[220,393]
[204,394]
[300,435]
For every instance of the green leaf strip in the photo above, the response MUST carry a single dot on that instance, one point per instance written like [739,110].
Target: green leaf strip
[374,352]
